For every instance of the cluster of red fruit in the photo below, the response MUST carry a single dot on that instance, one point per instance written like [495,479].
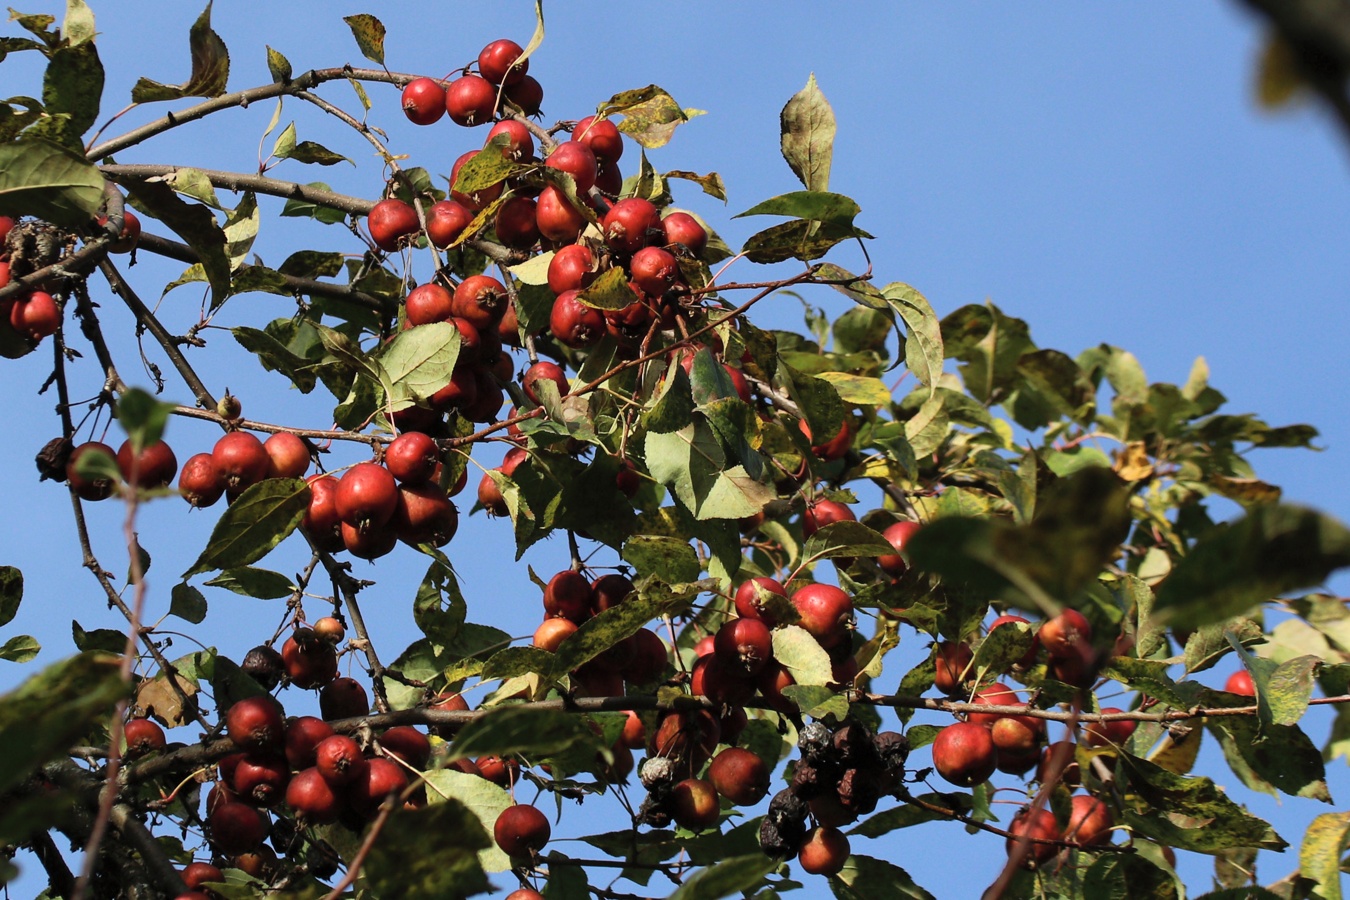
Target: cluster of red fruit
[569,600]
[842,774]
[34,314]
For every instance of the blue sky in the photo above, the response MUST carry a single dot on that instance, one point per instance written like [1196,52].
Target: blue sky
[1100,171]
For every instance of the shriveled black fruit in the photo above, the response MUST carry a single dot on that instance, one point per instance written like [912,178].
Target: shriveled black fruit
[854,747]
[52,458]
[815,743]
[808,781]
[786,808]
[657,772]
[265,666]
[779,841]
[859,791]
[653,812]
[892,749]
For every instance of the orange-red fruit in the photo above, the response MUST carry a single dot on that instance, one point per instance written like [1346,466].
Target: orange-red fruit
[479,299]
[996,694]
[1018,738]
[1090,821]
[609,591]
[541,371]
[521,830]
[824,851]
[84,488]
[412,457]
[1036,824]
[311,797]
[964,754]
[822,513]
[289,455]
[682,229]
[155,466]
[1240,682]
[260,780]
[391,221]
[423,101]
[897,535]
[470,100]
[1060,761]
[1100,734]
[236,827]
[428,303]
[739,775]
[497,62]
[654,270]
[520,143]
[310,661]
[572,268]
[242,460]
[577,160]
[446,221]
[338,759]
[303,736]
[366,497]
[256,724]
[749,598]
[143,736]
[35,316]
[321,520]
[517,223]
[557,218]
[631,224]
[693,804]
[528,95]
[568,594]
[950,659]
[196,874]
[743,646]
[601,136]
[408,744]
[525,894]
[836,447]
[825,611]
[377,779]
[343,698]
[1066,635]
[574,323]
[552,632]
[424,515]
[650,659]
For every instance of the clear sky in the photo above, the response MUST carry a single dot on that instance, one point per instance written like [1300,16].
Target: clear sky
[1098,170]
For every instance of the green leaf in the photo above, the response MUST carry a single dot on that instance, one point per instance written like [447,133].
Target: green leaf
[987,344]
[736,875]
[858,390]
[1121,876]
[1002,647]
[513,661]
[11,593]
[802,655]
[486,168]
[923,343]
[41,718]
[818,206]
[521,729]
[711,183]
[1271,758]
[650,115]
[195,224]
[369,34]
[250,582]
[439,608]
[865,878]
[210,68]
[609,291]
[143,417]
[419,362]
[845,539]
[105,639]
[315,153]
[800,239]
[807,135]
[1319,856]
[485,799]
[262,517]
[1239,565]
[603,630]
[47,181]
[670,559]
[71,88]
[909,814]
[278,65]
[306,209]
[21,648]
[429,854]
[78,25]
[692,462]
[187,603]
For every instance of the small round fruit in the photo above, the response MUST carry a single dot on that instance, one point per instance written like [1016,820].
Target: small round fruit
[631,224]
[528,95]
[390,222]
[408,744]
[1059,762]
[260,780]
[1090,821]
[423,101]
[479,299]
[609,591]
[1029,658]
[1240,683]
[89,488]
[200,481]
[470,100]
[577,160]
[825,611]
[572,268]
[744,646]
[521,831]
[303,736]
[312,797]
[154,466]
[256,724]
[35,316]
[739,775]
[310,661]
[574,323]
[557,218]
[242,460]
[366,497]
[428,303]
[568,594]
[289,455]
[378,779]
[824,851]
[497,62]
[1066,635]
[683,230]
[951,659]
[540,371]
[750,598]
[520,143]
[693,804]
[654,270]
[822,513]
[1113,733]
[339,760]
[836,447]
[897,535]
[196,874]
[321,521]
[552,632]
[265,666]
[1036,825]
[412,457]
[343,698]
[236,828]
[997,694]
[964,754]
[143,736]
[517,223]
[446,221]
[1018,738]
[524,894]
[601,136]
